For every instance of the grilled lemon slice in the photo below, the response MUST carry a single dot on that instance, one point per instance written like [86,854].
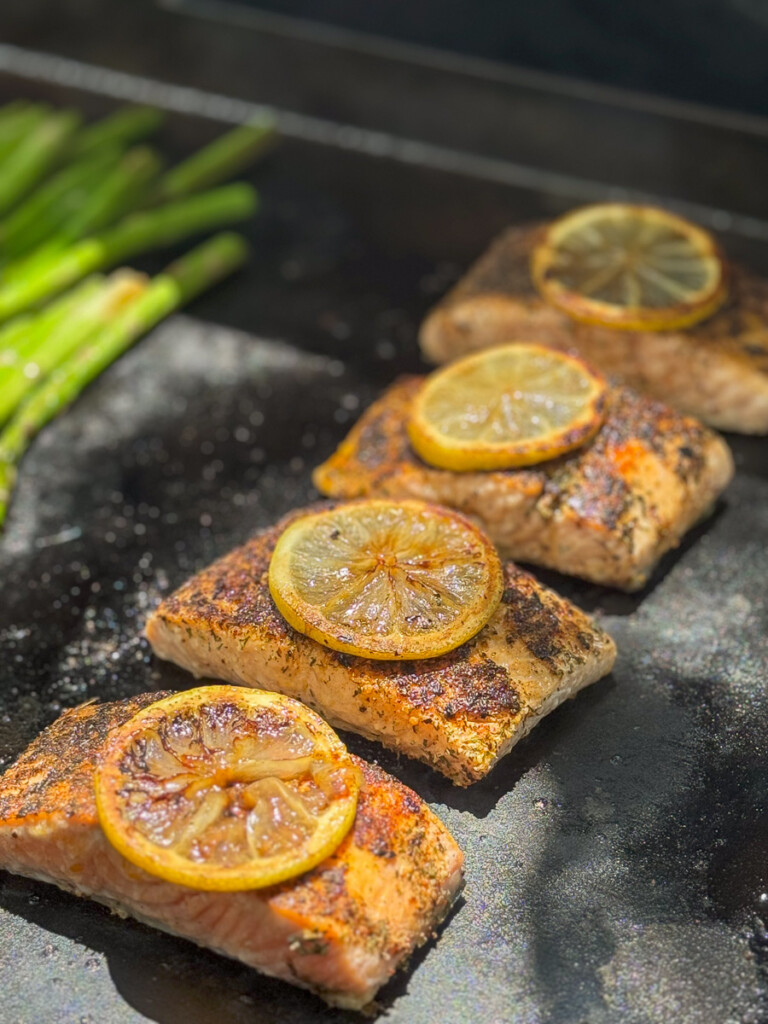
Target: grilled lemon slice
[514,405]
[385,579]
[629,267]
[224,788]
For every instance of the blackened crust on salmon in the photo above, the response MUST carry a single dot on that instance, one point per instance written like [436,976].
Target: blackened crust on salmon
[588,479]
[459,712]
[552,634]
[480,689]
[605,512]
[390,825]
[54,775]
[504,268]
[233,593]
[532,622]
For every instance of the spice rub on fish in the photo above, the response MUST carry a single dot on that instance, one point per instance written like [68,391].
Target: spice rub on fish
[716,370]
[340,930]
[606,512]
[460,712]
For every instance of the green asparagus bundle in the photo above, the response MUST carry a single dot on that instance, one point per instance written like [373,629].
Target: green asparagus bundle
[177,285]
[114,194]
[75,201]
[101,185]
[136,234]
[83,196]
[117,194]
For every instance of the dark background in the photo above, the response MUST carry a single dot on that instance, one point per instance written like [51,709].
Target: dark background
[707,51]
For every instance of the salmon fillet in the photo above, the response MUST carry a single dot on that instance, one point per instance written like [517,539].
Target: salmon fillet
[460,712]
[716,370]
[606,512]
[340,930]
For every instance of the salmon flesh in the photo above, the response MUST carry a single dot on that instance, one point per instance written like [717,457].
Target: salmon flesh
[606,512]
[340,930]
[716,370]
[460,712]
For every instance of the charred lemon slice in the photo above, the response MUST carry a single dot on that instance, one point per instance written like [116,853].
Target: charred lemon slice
[634,268]
[384,579]
[224,788]
[504,407]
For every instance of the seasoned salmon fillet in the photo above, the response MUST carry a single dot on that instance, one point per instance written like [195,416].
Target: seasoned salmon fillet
[340,930]
[716,370]
[606,512]
[459,712]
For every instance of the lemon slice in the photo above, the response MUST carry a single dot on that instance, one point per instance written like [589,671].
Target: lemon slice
[514,405]
[630,267]
[386,580]
[223,788]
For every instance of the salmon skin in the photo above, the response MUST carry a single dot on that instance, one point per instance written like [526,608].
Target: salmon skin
[716,370]
[340,930]
[606,512]
[460,712]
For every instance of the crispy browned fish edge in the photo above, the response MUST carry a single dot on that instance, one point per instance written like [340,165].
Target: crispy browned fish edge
[460,712]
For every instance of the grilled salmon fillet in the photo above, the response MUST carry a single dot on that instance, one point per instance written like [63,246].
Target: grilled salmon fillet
[716,370]
[340,930]
[459,712]
[606,512]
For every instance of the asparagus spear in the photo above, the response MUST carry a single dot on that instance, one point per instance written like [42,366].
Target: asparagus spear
[67,337]
[20,337]
[182,281]
[18,119]
[110,198]
[44,212]
[221,160]
[124,127]
[115,195]
[135,234]
[10,111]
[33,157]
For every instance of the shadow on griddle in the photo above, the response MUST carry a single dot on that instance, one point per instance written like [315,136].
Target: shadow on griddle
[648,884]
[594,598]
[481,798]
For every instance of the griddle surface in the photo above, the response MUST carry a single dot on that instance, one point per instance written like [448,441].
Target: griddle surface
[617,860]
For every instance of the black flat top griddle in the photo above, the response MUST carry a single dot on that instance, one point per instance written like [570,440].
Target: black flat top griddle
[617,860]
